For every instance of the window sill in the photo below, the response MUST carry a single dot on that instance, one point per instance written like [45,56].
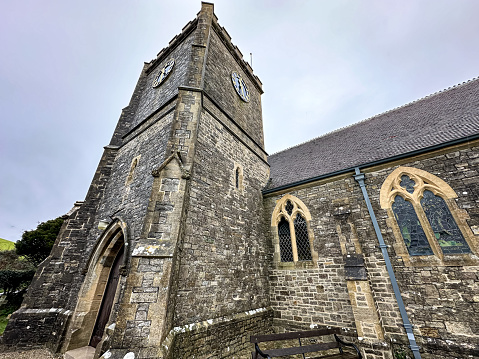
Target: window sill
[295,265]
[449,260]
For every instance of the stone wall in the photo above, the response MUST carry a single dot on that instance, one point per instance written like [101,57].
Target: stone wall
[225,337]
[223,266]
[319,295]
[312,296]
[140,321]
[145,309]
[130,199]
[153,98]
[218,85]
[441,299]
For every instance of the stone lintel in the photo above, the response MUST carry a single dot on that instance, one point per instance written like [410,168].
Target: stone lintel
[190,88]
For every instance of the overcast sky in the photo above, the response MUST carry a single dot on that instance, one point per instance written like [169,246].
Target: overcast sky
[67,68]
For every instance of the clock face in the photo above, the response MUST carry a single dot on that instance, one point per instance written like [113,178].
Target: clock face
[240,86]
[164,72]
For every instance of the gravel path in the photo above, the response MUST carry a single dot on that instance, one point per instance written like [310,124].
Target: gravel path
[29,354]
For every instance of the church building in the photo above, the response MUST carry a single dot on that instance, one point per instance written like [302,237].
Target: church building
[191,238]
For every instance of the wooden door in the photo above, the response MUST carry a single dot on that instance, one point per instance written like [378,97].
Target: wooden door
[107,301]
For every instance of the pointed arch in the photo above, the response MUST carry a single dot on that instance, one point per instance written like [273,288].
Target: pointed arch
[116,228]
[107,252]
[292,235]
[131,173]
[423,180]
[238,177]
[424,216]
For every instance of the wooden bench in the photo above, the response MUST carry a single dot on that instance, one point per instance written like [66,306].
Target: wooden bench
[302,348]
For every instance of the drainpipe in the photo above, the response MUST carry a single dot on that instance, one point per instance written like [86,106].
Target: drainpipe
[359,177]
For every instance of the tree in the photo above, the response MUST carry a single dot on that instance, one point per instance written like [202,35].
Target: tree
[13,280]
[36,244]
[10,260]
[16,273]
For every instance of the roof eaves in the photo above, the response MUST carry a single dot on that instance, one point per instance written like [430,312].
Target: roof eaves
[373,163]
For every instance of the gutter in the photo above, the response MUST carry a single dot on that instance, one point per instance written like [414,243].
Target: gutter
[359,177]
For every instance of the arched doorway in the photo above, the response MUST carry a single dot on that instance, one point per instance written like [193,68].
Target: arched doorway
[107,301]
[99,290]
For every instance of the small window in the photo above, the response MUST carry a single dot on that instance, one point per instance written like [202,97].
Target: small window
[131,173]
[238,177]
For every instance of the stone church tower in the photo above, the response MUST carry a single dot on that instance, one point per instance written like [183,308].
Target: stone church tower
[191,238]
[179,190]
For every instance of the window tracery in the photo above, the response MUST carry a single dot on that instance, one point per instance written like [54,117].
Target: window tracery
[424,215]
[293,239]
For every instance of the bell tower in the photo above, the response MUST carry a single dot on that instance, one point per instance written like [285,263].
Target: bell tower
[179,189]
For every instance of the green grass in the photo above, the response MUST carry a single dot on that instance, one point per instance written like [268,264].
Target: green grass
[5,311]
[3,323]
[6,245]
[5,308]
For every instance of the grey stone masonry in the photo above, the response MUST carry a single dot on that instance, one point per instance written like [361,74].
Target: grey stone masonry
[440,295]
[191,262]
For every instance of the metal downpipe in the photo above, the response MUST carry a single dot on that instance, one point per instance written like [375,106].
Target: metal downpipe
[359,177]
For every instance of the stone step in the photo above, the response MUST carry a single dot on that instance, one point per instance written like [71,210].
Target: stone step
[80,353]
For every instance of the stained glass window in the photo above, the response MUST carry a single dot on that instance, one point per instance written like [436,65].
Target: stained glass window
[302,239]
[407,183]
[410,227]
[445,229]
[285,245]
[425,211]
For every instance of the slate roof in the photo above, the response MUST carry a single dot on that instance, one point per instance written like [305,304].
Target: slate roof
[436,119]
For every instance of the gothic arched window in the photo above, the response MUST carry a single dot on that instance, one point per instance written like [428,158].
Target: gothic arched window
[238,177]
[426,217]
[293,238]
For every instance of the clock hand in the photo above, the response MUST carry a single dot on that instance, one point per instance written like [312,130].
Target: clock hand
[161,75]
